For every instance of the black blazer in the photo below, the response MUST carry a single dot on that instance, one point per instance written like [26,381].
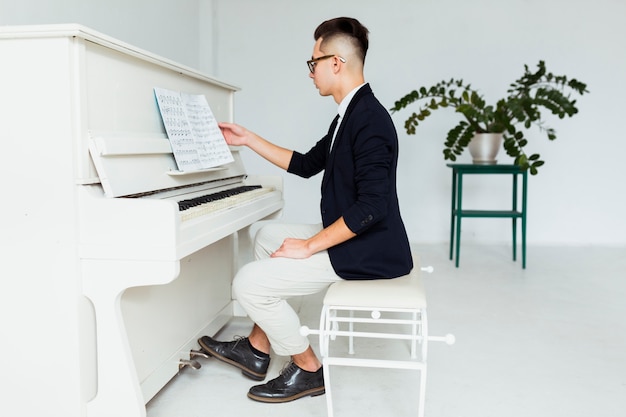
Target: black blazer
[359,183]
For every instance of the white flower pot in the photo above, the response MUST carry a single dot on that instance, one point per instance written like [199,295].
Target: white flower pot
[484,147]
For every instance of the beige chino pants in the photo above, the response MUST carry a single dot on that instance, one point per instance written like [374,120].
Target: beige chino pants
[263,286]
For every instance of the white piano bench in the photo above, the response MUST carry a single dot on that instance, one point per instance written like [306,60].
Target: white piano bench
[386,309]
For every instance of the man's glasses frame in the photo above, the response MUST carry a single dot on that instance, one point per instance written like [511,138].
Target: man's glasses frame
[312,62]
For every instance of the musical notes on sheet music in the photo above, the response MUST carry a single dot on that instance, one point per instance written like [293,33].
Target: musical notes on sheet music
[196,140]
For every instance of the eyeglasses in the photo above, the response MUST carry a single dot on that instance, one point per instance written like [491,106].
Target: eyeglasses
[312,62]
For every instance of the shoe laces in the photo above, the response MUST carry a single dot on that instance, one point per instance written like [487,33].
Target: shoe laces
[288,368]
[238,339]
[279,382]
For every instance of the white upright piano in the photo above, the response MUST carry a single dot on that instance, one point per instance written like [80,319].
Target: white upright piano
[107,284]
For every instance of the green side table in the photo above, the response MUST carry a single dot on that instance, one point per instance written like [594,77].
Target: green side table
[458,213]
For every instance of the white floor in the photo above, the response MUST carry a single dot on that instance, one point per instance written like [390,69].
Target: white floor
[548,341]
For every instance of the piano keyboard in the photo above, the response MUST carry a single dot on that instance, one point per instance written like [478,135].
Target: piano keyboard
[206,204]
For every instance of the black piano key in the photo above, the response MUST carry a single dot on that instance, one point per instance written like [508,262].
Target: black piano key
[192,202]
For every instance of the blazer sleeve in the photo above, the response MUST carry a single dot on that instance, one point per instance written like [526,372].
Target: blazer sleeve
[373,159]
[314,161]
[359,181]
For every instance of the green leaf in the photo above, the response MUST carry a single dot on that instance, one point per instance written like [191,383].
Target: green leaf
[522,160]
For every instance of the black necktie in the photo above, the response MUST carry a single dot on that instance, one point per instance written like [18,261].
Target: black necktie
[333,131]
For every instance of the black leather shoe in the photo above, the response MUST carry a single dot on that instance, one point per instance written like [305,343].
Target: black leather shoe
[237,353]
[291,384]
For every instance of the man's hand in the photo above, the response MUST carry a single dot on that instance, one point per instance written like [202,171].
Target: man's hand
[333,235]
[293,248]
[235,135]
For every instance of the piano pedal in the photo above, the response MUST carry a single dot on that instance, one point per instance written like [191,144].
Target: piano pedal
[193,353]
[189,362]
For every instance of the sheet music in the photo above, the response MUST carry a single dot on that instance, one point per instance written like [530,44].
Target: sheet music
[196,140]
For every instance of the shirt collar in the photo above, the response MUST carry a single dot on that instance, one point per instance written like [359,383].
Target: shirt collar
[343,106]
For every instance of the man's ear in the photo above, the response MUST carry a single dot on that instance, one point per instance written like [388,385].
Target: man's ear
[337,62]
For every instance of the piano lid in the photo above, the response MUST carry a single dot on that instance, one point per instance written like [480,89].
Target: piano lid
[80,32]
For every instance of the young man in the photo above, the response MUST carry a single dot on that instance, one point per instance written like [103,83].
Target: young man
[362,235]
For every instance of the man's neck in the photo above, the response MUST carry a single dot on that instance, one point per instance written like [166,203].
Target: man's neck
[348,86]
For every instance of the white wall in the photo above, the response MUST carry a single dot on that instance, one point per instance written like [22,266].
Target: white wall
[262,46]
[578,196]
[167,28]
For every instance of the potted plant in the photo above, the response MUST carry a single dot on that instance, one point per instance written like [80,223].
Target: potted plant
[519,110]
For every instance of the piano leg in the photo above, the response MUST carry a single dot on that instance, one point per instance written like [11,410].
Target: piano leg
[104,282]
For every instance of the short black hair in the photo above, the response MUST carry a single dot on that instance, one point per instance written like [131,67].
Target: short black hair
[345,26]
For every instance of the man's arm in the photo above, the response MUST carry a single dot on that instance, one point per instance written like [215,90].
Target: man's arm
[333,235]
[239,136]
